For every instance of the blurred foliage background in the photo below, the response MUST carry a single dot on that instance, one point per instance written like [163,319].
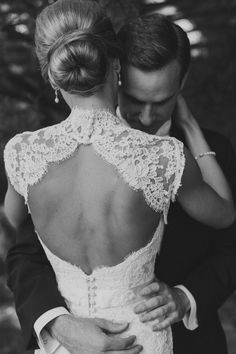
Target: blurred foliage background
[27,103]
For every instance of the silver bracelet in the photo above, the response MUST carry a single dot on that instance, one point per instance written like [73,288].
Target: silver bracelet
[205,154]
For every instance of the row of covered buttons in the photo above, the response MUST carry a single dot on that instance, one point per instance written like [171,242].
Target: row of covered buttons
[91,282]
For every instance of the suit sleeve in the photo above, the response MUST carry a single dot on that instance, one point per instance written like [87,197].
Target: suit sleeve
[32,281]
[214,280]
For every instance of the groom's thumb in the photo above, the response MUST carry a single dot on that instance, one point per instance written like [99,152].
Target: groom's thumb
[110,326]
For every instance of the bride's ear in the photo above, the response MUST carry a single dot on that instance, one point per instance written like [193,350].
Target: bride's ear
[116,68]
[116,65]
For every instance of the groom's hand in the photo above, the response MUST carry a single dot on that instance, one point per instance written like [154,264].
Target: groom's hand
[92,336]
[163,304]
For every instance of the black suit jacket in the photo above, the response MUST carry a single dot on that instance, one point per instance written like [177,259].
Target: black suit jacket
[202,259]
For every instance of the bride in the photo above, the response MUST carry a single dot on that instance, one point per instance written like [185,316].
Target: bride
[99,191]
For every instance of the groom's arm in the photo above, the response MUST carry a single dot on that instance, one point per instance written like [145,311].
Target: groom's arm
[215,279]
[32,281]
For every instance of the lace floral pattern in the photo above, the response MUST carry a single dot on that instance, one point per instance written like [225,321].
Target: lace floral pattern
[149,163]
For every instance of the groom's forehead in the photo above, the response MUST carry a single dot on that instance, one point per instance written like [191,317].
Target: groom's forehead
[165,77]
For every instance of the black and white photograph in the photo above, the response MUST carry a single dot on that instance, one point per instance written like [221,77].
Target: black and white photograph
[118,177]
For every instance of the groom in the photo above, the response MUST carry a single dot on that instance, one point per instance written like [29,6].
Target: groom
[197,263]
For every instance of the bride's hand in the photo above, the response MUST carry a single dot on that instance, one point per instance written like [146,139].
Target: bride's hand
[162,304]
[182,116]
[92,335]
[164,130]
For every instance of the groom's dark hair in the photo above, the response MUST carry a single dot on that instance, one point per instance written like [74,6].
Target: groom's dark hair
[150,42]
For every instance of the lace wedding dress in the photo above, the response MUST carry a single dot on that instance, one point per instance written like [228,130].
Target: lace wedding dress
[151,164]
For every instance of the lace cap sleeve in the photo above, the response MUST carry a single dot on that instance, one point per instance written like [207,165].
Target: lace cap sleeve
[28,155]
[170,167]
[146,162]
[12,162]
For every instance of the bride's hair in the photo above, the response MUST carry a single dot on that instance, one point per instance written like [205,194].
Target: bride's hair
[74,42]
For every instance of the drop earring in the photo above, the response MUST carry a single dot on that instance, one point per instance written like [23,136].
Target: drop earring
[56,96]
[119,79]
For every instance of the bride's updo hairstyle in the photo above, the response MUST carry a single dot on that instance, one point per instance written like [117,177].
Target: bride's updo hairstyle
[75,41]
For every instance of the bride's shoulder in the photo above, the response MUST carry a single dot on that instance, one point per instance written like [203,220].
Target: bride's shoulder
[156,164]
[164,151]
[154,143]
[26,155]
[25,141]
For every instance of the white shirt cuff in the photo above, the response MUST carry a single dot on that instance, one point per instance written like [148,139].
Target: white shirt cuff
[45,341]
[190,319]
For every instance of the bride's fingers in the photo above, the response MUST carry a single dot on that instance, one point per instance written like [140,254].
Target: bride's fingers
[159,313]
[150,304]
[165,323]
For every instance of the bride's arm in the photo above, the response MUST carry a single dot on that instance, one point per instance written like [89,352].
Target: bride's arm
[211,172]
[200,199]
[205,194]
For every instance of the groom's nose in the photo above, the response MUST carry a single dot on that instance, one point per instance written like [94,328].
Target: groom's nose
[146,116]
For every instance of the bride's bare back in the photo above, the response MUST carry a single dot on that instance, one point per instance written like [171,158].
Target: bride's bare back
[96,188]
[87,215]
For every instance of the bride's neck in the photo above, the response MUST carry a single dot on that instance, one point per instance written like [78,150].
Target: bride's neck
[101,100]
